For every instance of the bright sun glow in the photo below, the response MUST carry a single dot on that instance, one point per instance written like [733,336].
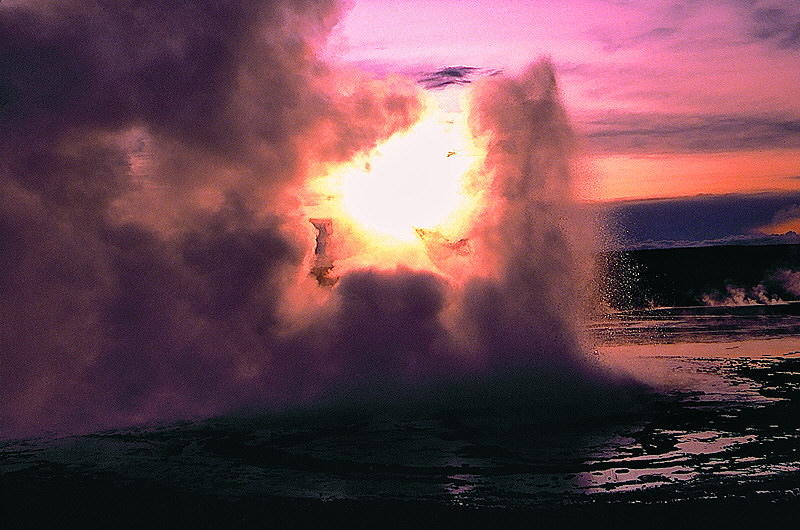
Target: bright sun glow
[411,181]
[415,180]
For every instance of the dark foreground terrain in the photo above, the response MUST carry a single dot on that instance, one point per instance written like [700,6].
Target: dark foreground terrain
[70,504]
[717,445]
[697,276]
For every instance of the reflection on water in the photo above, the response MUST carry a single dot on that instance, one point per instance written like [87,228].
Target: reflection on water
[624,479]
[733,423]
[670,325]
[708,442]
[726,424]
[461,487]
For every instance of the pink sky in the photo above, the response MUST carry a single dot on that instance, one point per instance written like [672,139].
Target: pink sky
[673,98]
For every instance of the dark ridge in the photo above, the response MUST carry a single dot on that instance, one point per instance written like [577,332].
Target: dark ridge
[681,277]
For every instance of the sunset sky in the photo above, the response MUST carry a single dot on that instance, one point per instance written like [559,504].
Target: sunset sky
[672,98]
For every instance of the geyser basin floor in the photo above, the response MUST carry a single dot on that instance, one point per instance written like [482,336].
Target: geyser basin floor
[724,437]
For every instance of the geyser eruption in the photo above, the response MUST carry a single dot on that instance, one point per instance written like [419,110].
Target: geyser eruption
[156,259]
[531,239]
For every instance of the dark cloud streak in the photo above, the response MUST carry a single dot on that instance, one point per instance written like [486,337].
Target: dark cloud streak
[776,25]
[454,75]
[654,133]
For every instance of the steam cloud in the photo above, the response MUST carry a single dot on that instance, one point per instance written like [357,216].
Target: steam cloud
[778,285]
[154,263]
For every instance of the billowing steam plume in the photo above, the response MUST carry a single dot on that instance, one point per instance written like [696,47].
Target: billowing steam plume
[155,265]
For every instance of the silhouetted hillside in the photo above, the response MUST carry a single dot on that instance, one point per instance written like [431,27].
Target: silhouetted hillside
[700,276]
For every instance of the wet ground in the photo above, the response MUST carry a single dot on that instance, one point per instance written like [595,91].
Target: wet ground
[720,436]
